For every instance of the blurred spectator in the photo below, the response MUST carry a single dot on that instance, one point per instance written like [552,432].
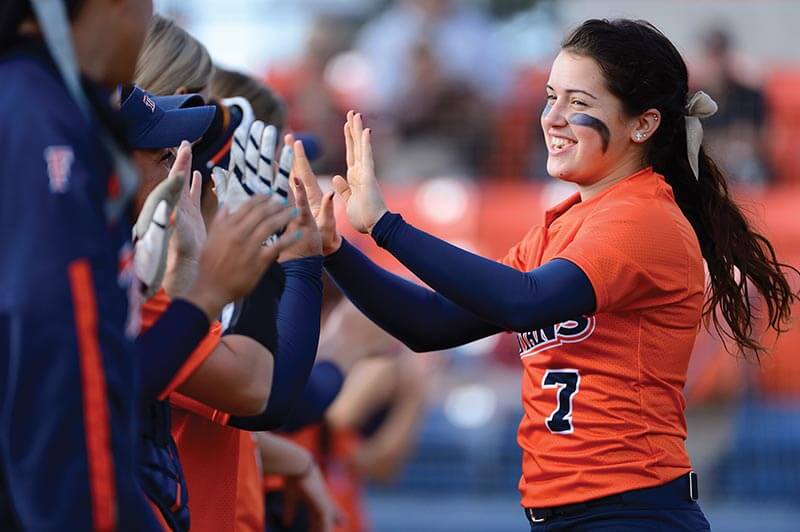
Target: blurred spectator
[315,105]
[735,134]
[462,38]
[438,69]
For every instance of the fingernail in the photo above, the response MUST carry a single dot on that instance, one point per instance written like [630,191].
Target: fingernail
[298,234]
[185,144]
[295,212]
[297,181]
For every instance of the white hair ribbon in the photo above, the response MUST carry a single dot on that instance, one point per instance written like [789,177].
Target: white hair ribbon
[700,105]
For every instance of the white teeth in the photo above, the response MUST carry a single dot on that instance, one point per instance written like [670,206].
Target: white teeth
[560,142]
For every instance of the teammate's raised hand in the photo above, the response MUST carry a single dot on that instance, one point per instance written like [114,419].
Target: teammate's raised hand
[187,240]
[253,169]
[234,259]
[320,205]
[153,228]
[360,190]
[310,243]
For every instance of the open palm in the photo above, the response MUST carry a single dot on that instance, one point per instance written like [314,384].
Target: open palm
[321,205]
[360,190]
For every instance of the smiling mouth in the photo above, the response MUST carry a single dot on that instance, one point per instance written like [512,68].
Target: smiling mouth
[560,144]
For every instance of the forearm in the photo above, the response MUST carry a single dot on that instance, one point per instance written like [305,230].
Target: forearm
[417,316]
[511,299]
[281,456]
[298,335]
[322,388]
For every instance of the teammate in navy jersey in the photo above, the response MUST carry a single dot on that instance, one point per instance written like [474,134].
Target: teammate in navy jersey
[71,380]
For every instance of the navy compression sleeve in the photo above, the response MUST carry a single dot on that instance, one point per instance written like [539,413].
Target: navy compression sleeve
[322,388]
[517,301]
[415,315]
[255,315]
[298,335]
[165,346]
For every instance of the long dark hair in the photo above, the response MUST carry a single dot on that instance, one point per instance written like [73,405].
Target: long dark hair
[644,70]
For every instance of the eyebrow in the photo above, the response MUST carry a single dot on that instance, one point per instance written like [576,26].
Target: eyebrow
[570,91]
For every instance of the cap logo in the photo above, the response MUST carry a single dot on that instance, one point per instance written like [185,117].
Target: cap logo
[59,166]
[149,103]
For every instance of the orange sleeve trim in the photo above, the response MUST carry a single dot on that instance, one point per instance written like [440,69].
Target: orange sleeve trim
[102,486]
[195,360]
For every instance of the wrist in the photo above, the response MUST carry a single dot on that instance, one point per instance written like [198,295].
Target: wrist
[204,297]
[380,216]
[333,247]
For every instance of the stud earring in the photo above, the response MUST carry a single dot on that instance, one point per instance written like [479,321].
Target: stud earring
[639,136]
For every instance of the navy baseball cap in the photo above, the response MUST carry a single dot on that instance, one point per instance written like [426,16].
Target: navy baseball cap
[152,122]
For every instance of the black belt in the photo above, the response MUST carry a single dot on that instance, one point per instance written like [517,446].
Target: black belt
[540,515]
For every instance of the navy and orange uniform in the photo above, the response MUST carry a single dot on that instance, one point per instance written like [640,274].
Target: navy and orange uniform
[603,394]
[68,374]
[161,471]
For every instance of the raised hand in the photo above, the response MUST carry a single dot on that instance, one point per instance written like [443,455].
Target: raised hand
[234,259]
[320,205]
[151,233]
[251,170]
[310,243]
[360,190]
[187,240]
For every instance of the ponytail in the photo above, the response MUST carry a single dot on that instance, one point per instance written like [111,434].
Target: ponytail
[738,259]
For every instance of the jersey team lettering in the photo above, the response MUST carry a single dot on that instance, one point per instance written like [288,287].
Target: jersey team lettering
[567,332]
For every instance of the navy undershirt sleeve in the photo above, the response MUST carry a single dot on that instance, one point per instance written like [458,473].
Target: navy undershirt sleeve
[514,300]
[165,346]
[255,315]
[298,336]
[321,390]
[415,315]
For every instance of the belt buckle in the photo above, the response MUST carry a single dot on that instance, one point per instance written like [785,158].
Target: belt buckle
[693,486]
[532,517]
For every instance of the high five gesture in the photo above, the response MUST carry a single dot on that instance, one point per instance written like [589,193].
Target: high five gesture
[360,190]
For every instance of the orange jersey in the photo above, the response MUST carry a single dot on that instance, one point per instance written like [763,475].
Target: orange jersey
[603,395]
[250,496]
[151,310]
[208,450]
[209,453]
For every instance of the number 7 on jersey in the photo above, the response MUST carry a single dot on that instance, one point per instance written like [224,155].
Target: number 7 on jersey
[567,382]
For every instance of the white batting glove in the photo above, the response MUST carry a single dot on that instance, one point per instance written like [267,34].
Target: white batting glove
[251,168]
[151,234]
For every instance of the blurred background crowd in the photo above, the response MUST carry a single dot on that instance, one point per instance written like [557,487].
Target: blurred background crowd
[453,90]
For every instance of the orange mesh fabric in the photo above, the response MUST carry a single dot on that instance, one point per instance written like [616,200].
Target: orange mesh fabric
[210,457]
[250,497]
